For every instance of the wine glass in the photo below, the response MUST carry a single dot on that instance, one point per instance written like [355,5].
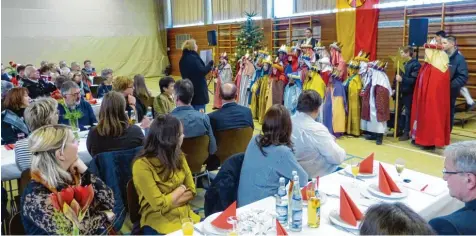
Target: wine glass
[400,166]
[187,226]
[233,220]
[354,165]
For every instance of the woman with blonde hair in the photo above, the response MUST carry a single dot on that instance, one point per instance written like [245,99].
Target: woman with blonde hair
[193,68]
[56,168]
[125,85]
[39,113]
[113,131]
[141,92]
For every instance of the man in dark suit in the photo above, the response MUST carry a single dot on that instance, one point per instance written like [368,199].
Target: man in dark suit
[460,175]
[231,115]
[309,39]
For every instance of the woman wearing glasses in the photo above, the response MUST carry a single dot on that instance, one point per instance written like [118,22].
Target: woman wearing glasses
[56,166]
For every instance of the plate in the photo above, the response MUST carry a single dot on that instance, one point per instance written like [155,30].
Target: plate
[323,200]
[348,171]
[209,228]
[374,190]
[335,219]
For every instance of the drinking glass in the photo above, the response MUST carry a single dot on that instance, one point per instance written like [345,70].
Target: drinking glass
[400,166]
[187,226]
[233,220]
[354,165]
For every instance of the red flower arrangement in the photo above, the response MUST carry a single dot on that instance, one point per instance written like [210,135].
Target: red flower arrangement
[73,203]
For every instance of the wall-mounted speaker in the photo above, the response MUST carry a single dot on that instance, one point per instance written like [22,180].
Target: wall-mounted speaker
[418,32]
[212,37]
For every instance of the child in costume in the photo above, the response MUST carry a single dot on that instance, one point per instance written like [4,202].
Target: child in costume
[335,105]
[223,76]
[352,87]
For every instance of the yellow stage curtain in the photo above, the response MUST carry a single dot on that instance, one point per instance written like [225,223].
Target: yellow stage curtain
[313,5]
[345,26]
[187,12]
[232,9]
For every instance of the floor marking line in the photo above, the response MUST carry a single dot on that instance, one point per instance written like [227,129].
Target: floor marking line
[413,150]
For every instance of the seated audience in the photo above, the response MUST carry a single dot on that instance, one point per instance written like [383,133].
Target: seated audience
[36,86]
[45,73]
[393,219]
[194,122]
[316,149]
[83,87]
[113,131]
[106,85]
[71,104]
[268,157]
[5,75]
[164,103]
[64,69]
[460,175]
[125,85]
[39,113]
[88,68]
[55,166]
[43,63]
[21,73]
[60,80]
[230,115]
[75,67]
[163,180]
[6,86]
[141,92]
[13,124]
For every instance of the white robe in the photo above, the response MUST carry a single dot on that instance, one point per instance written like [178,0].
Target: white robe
[245,89]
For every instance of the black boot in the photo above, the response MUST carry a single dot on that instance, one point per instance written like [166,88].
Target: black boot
[370,136]
[404,137]
[379,138]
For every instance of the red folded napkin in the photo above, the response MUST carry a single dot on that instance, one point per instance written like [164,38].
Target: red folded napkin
[9,146]
[385,182]
[367,165]
[221,221]
[348,210]
[280,231]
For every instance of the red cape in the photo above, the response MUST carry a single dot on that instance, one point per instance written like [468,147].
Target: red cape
[430,116]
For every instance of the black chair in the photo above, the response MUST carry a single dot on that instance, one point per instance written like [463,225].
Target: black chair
[98,80]
[94,90]
[16,226]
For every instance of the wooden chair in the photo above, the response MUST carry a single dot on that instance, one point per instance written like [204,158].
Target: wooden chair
[16,226]
[196,153]
[232,141]
[22,183]
[133,205]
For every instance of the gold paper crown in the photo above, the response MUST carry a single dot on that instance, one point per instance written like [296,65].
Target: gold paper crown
[224,55]
[337,45]
[283,48]
[362,56]
[267,60]
[306,46]
[319,47]
[353,64]
[277,65]
[380,65]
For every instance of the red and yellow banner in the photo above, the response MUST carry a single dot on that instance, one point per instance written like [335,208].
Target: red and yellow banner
[356,25]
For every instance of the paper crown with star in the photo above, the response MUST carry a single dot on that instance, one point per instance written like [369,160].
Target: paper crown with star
[337,46]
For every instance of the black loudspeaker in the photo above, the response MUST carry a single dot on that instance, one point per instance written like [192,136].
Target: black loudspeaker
[418,32]
[212,37]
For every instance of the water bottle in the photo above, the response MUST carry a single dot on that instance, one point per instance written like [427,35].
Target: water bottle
[315,183]
[282,203]
[149,113]
[296,222]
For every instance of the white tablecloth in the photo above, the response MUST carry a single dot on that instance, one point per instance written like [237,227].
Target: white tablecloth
[96,107]
[426,205]
[10,169]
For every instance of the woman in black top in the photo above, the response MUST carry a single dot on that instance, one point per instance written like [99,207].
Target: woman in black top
[193,68]
[113,131]
[13,125]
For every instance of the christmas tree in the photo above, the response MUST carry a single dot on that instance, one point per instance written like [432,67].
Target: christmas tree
[249,38]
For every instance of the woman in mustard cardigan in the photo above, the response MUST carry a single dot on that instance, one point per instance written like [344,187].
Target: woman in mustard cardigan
[163,179]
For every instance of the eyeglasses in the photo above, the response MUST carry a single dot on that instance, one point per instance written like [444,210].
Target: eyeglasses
[75,94]
[454,172]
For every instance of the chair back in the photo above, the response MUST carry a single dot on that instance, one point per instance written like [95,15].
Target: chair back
[232,141]
[133,205]
[196,152]
[98,80]
[115,169]
[16,226]
[24,180]
[94,90]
